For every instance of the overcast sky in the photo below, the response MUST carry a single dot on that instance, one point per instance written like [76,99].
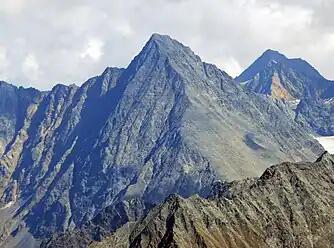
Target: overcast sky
[44,42]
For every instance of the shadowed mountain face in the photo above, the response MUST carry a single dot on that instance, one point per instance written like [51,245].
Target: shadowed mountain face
[168,123]
[102,225]
[297,82]
[290,205]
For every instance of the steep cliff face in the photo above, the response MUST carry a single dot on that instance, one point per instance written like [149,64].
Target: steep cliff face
[318,114]
[168,123]
[290,205]
[17,105]
[103,225]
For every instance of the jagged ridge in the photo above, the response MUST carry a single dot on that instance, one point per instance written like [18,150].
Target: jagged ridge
[168,123]
[290,205]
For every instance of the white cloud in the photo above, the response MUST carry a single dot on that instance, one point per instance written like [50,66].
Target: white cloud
[74,40]
[93,49]
[229,64]
[4,63]
[12,7]
[124,29]
[30,67]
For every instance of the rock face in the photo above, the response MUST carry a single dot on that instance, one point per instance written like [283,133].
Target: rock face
[290,205]
[297,82]
[103,225]
[274,74]
[16,107]
[318,114]
[168,123]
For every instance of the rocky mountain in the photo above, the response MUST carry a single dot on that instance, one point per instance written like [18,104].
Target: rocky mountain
[102,225]
[298,83]
[293,79]
[290,205]
[168,123]
[318,114]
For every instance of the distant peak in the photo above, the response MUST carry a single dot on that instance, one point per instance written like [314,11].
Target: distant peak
[160,37]
[270,55]
[271,51]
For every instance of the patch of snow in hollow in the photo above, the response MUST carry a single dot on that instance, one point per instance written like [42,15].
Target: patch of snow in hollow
[8,205]
[327,142]
[246,82]
[329,101]
[297,101]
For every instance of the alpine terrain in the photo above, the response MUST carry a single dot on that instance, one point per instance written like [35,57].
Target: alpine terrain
[169,123]
[290,205]
[299,84]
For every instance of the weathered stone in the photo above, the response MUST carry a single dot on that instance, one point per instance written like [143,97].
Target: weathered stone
[290,205]
[169,123]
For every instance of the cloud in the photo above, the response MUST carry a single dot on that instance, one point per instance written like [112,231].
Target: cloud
[71,41]
[12,7]
[93,49]
[30,67]
[4,63]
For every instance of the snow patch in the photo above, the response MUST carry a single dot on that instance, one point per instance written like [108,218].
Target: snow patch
[297,101]
[8,205]
[329,101]
[327,142]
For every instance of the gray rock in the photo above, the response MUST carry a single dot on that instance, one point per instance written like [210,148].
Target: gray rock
[296,82]
[168,123]
[290,205]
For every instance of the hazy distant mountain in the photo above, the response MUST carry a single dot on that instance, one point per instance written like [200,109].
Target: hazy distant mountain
[290,205]
[274,74]
[297,82]
[168,123]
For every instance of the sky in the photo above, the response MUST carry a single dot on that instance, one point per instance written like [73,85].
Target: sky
[44,42]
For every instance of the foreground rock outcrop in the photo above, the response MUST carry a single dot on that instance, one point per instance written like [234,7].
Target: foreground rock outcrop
[103,225]
[290,205]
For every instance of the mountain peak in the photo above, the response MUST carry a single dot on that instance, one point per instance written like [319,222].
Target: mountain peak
[161,48]
[272,51]
[160,37]
[167,44]
[296,64]
[164,41]
[270,55]
[260,64]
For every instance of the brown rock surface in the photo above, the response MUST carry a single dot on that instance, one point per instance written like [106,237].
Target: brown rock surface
[290,205]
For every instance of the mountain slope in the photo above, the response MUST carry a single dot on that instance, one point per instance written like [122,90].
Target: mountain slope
[295,81]
[168,123]
[290,205]
[17,105]
[103,225]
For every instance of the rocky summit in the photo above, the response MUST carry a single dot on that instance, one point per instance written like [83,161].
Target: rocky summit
[299,84]
[294,79]
[168,123]
[290,205]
